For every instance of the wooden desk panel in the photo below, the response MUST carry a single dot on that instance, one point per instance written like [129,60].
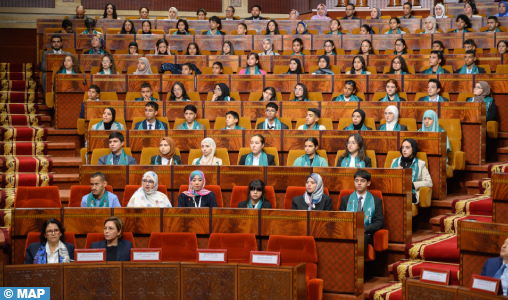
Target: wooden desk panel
[87,61]
[134,82]
[456,83]
[377,83]
[47,275]
[231,176]
[340,80]
[464,293]
[298,109]
[380,62]
[174,109]
[111,83]
[414,289]
[159,280]
[53,61]
[418,41]
[119,41]
[148,41]
[99,138]
[287,42]
[196,220]
[412,24]
[116,175]
[209,42]
[497,82]
[491,59]
[375,110]
[354,41]
[81,280]
[179,42]
[181,175]
[136,173]
[255,110]
[124,61]
[166,25]
[328,225]
[158,60]
[56,23]
[321,83]
[245,220]
[95,109]
[26,220]
[379,23]
[168,80]
[283,60]
[452,40]
[217,281]
[214,109]
[84,41]
[332,141]
[240,42]
[232,61]
[385,41]
[206,83]
[337,110]
[284,222]
[140,220]
[187,139]
[139,139]
[137,109]
[467,112]
[198,25]
[295,139]
[71,83]
[281,83]
[247,83]
[200,61]
[232,140]
[417,83]
[318,41]
[85,219]
[350,24]
[68,39]
[499,197]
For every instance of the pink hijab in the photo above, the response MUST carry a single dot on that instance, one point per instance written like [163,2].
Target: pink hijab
[318,17]
[191,192]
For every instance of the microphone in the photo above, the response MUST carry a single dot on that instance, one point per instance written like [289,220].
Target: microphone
[84,77]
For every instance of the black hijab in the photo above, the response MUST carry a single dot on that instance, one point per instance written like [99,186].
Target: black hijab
[407,161]
[326,70]
[107,126]
[225,92]
[298,68]
[360,125]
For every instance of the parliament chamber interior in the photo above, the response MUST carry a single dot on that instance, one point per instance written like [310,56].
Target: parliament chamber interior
[260,184]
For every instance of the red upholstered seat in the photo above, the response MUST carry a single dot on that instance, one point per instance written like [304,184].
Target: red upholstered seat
[37,197]
[34,237]
[297,249]
[380,238]
[239,245]
[78,191]
[213,188]
[294,191]
[97,237]
[131,189]
[178,246]
[240,193]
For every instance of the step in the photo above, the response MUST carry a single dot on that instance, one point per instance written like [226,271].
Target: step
[65,136]
[66,164]
[473,187]
[65,181]
[502,154]
[61,149]
[372,284]
[435,223]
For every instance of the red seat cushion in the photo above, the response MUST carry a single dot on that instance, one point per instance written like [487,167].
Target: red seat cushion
[78,191]
[293,191]
[239,245]
[49,193]
[212,188]
[97,237]
[240,194]
[179,246]
[294,250]
[130,189]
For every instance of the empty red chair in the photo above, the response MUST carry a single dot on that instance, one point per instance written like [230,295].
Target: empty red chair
[299,249]
[37,197]
[240,194]
[131,189]
[380,238]
[97,237]
[177,246]
[212,188]
[78,191]
[239,245]
[294,191]
[34,237]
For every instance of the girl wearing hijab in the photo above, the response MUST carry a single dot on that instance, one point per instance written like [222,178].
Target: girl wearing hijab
[359,67]
[311,157]
[300,92]
[221,93]
[330,48]
[439,10]
[257,156]
[166,154]
[295,66]
[321,13]
[301,28]
[197,195]
[148,195]
[208,148]
[349,93]
[354,156]
[182,27]
[482,93]
[143,67]
[375,13]
[133,48]
[420,174]
[178,92]
[128,27]
[272,28]
[314,197]
[97,44]
[501,8]
[398,66]
[430,25]
[256,197]
[391,92]
[430,123]
[108,121]
[268,47]
[253,66]
[324,66]
[358,119]
[335,27]
[294,14]
[392,120]
[173,13]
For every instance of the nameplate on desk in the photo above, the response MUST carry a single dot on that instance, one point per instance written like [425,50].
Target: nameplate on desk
[90,255]
[217,256]
[435,276]
[485,284]
[146,254]
[265,258]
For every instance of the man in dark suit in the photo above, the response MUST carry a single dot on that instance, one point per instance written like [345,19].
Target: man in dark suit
[363,200]
[255,11]
[271,118]
[151,123]
[350,12]
[433,88]
[230,14]
[470,66]
[496,267]
[56,45]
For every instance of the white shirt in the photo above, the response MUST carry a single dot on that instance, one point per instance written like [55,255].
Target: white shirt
[164,161]
[321,127]
[148,123]
[108,71]
[255,161]
[352,163]
[54,258]
[68,72]
[504,280]
[435,99]
[347,99]
[57,52]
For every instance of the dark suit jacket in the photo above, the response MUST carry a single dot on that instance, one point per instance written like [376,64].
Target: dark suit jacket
[32,249]
[266,204]
[299,203]
[368,162]
[176,159]
[377,220]
[480,70]
[444,99]
[491,266]
[143,123]
[353,18]
[282,126]
[123,252]
[206,201]
[252,18]
[368,128]
[269,157]
[402,127]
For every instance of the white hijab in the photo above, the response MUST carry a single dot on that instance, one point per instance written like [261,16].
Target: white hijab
[208,160]
[443,16]
[176,17]
[152,198]
[395,111]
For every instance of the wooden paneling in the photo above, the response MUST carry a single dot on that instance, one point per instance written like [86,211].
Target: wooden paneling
[28,3]
[183,5]
[280,7]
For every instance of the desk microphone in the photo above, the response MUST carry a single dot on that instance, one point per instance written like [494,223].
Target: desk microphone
[84,82]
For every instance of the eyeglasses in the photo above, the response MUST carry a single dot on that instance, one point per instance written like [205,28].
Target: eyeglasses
[229,11]
[56,231]
[148,181]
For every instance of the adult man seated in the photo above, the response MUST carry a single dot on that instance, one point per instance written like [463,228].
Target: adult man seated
[255,11]
[470,66]
[408,9]
[66,26]
[146,93]
[117,155]
[495,267]
[56,45]
[230,14]
[362,200]
[80,13]
[435,64]
[271,121]
[492,24]
[151,123]
[99,197]
[433,88]
[143,13]
[311,120]
[350,12]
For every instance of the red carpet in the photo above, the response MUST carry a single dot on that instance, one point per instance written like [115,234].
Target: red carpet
[20,120]
[497,168]
[476,205]
[10,181]
[23,76]
[23,134]
[411,268]
[19,108]
[24,148]
[392,291]
[17,97]
[15,67]
[26,164]
[449,224]
[18,86]
[439,248]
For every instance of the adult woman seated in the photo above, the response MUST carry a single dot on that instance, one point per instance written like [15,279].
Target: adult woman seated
[394,24]
[324,66]
[143,67]
[197,195]
[349,93]
[173,13]
[358,119]
[398,66]
[221,93]
[182,27]
[108,65]
[359,67]
[430,25]
[253,66]
[482,93]
[430,123]
[295,66]
[391,92]
[354,156]
[70,65]
[110,12]
[268,48]
[117,249]
[108,121]
[501,8]
[52,248]
[311,157]
[178,92]
[97,44]
[256,197]
[314,197]
[148,195]
[208,149]
[166,154]
[470,10]
[257,157]
[321,13]
[392,120]
[420,174]
[375,13]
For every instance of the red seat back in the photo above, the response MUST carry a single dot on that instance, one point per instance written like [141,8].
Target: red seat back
[294,250]
[178,246]
[34,237]
[97,237]
[131,189]
[213,188]
[294,191]
[344,193]
[78,191]
[239,245]
[240,194]
[37,197]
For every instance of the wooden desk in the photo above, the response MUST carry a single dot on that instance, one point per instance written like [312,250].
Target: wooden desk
[499,197]
[209,281]
[464,293]
[48,275]
[103,281]
[413,289]
[147,280]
